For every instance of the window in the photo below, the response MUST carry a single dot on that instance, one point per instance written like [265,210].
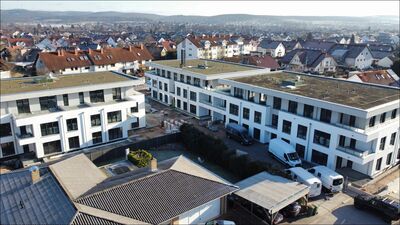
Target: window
[301,131]
[256,133]
[160,96]
[175,76]
[342,141]
[73,142]
[300,149]
[273,136]
[274,122]
[135,124]
[96,96]
[113,117]
[51,147]
[287,126]
[193,109]
[378,164]
[382,143]
[245,126]
[246,113]
[277,103]
[72,124]
[165,87]
[178,91]
[383,117]
[7,149]
[115,133]
[394,114]
[352,143]
[65,100]
[389,158]
[184,93]
[48,103]
[238,92]
[81,98]
[135,109]
[322,138]
[393,138]
[97,137]
[233,109]
[5,130]
[285,140]
[23,106]
[182,78]
[352,121]
[95,120]
[116,92]
[325,115]
[178,103]
[188,80]
[257,117]
[160,85]
[292,108]
[185,106]
[319,157]
[166,98]
[49,128]
[372,121]
[196,82]
[193,96]
[308,111]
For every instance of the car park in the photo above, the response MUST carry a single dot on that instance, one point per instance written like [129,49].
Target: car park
[388,208]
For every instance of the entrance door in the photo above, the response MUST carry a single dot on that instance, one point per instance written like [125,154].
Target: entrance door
[338,162]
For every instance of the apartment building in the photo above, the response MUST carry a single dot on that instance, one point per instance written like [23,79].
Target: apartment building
[330,122]
[53,115]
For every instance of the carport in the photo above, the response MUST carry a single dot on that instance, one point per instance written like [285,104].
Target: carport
[264,194]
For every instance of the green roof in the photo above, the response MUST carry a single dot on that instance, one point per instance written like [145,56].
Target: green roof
[212,67]
[357,95]
[31,84]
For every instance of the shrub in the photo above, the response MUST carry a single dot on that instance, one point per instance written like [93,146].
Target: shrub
[140,158]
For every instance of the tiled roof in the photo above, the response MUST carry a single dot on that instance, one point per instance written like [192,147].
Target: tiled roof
[157,198]
[310,58]
[83,218]
[318,45]
[64,59]
[268,44]
[43,202]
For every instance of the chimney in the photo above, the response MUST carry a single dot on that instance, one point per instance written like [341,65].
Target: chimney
[90,51]
[130,48]
[142,46]
[102,50]
[35,174]
[62,52]
[76,51]
[153,165]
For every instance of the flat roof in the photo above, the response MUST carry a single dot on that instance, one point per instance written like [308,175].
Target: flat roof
[213,67]
[30,84]
[271,192]
[357,95]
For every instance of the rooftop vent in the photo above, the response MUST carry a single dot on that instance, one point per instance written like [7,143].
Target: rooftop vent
[292,84]
[35,174]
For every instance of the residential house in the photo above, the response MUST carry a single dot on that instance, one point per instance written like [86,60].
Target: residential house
[273,48]
[386,62]
[291,45]
[265,61]
[381,77]
[352,56]
[306,60]
[318,45]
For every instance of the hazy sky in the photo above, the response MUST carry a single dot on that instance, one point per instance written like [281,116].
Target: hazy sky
[208,8]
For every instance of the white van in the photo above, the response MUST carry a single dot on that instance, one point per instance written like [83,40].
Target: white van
[303,176]
[329,178]
[284,152]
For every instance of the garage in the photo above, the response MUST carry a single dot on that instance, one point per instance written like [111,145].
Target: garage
[202,213]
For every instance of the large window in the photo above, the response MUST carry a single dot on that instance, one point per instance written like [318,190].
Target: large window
[97,137]
[322,138]
[233,109]
[23,106]
[274,122]
[193,96]
[96,96]
[394,114]
[135,109]
[7,149]
[52,147]
[277,103]
[238,92]
[256,133]
[178,91]
[73,142]
[300,149]
[165,87]
[114,117]
[81,98]
[383,117]
[5,130]
[246,113]
[372,121]
[301,131]
[287,126]
[193,109]
[184,93]
[115,133]
[319,157]
[392,138]
[382,143]
[72,124]
[292,108]
[116,92]
[308,111]
[342,141]
[257,117]
[65,100]
[196,82]
[48,103]
[49,128]
[95,120]
[325,115]
[389,158]
[378,164]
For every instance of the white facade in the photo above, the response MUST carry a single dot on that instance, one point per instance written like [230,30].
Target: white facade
[385,62]
[191,51]
[362,61]
[212,97]
[74,118]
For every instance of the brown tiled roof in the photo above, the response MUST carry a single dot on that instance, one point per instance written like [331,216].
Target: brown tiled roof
[378,77]
[64,59]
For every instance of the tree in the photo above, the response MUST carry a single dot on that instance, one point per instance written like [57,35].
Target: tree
[309,37]
[396,67]
[352,39]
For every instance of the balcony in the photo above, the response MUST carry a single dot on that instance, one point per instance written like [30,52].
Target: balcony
[204,101]
[355,152]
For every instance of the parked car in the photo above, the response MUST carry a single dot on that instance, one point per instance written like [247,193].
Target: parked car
[220,222]
[291,210]
[284,152]
[389,209]
[238,133]
[303,176]
[331,180]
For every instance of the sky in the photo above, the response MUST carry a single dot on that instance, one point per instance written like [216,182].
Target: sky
[210,8]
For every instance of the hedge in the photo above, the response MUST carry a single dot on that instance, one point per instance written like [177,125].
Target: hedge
[216,151]
[140,158]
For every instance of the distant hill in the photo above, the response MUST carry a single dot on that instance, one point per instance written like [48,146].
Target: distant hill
[27,16]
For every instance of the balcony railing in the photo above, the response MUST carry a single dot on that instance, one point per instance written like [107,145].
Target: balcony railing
[206,102]
[355,152]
